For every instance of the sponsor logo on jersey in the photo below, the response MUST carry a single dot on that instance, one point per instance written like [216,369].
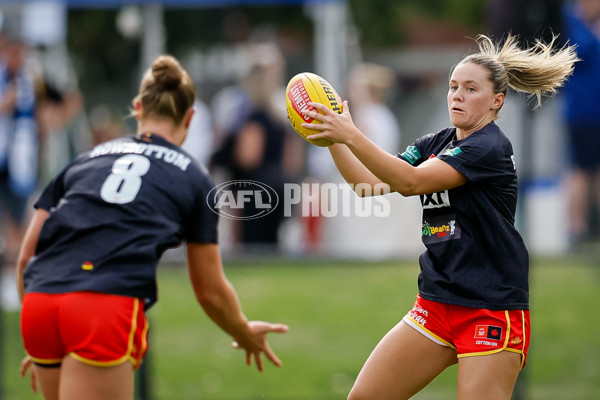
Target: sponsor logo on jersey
[435,200]
[411,154]
[452,152]
[87,266]
[440,229]
[233,199]
[488,332]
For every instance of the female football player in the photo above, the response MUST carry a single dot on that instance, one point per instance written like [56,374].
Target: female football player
[473,302]
[87,268]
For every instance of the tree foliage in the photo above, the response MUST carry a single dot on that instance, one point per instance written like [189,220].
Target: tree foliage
[384,23]
[105,59]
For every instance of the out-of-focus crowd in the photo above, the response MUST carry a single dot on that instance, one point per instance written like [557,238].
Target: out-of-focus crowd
[241,133]
[41,127]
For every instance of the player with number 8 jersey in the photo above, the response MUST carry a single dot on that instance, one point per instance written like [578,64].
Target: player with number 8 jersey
[87,268]
[116,209]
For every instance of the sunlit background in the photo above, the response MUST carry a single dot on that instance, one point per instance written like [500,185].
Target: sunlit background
[390,59]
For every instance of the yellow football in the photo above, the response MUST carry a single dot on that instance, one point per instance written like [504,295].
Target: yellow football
[303,89]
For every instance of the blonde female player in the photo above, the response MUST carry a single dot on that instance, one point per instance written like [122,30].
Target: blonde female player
[472,307]
[88,262]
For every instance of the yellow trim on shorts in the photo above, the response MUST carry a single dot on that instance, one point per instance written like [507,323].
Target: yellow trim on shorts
[144,336]
[45,361]
[515,351]
[430,333]
[522,351]
[127,356]
[504,346]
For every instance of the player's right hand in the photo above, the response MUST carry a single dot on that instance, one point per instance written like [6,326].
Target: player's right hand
[25,365]
[255,342]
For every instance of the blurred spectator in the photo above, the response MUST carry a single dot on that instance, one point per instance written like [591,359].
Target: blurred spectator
[200,137]
[530,20]
[254,139]
[18,154]
[229,107]
[582,116]
[51,122]
[62,134]
[103,125]
[368,91]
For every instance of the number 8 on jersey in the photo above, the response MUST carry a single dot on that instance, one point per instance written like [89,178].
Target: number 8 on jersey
[125,181]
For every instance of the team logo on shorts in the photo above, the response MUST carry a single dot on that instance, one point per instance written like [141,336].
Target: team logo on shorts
[488,332]
[516,340]
[87,266]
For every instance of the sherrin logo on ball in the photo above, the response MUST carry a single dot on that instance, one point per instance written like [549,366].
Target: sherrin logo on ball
[302,89]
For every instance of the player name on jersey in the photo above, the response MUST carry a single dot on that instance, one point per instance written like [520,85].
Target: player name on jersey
[159,152]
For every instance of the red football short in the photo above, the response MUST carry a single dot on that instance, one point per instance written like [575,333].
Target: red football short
[96,328]
[471,331]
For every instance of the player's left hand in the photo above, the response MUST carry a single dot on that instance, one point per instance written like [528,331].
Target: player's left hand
[255,342]
[25,365]
[338,128]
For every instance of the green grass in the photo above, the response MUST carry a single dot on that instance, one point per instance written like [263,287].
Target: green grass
[337,312]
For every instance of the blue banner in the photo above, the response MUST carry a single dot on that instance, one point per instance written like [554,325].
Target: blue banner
[185,3]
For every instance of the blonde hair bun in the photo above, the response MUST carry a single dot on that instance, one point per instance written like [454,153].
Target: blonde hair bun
[166,90]
[166,71]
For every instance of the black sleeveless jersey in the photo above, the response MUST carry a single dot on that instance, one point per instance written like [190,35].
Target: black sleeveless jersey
[113,212]
[475,257]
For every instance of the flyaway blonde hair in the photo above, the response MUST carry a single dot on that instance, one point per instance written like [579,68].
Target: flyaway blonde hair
[539,70]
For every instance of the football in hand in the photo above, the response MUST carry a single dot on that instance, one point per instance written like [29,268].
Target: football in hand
[303,89]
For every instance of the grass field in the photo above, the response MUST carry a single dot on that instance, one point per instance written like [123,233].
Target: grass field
[337,312]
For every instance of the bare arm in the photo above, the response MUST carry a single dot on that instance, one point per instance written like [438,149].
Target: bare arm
[351,168]
[370,164]
[28,246]
[219,300]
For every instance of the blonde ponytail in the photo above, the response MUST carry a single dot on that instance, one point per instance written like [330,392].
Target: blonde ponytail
[539,70]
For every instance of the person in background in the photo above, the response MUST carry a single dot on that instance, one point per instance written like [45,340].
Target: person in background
[473,301]
[18,155]
[369,87]
[257,146]
[199,141]
[87,266]
[582,117]
[105,125]
[62,134]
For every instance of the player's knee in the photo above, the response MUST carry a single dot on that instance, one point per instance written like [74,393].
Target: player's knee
[358,393]
[354,396]
[368,392]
